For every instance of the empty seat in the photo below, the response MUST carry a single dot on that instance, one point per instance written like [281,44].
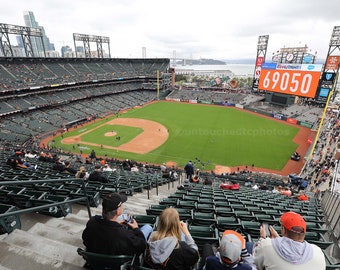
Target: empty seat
[146,219]
[207,219]
[9,223]
[227,223]
[54,211]
[204,208]
[186,204]
[203,235]
[156,209]
[251,228]
[224,211]
[102,261]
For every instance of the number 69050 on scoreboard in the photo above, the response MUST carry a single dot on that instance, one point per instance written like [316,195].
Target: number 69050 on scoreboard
[292,82]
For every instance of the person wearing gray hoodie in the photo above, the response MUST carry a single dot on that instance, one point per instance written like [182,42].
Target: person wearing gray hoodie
[290,251]
[171,247]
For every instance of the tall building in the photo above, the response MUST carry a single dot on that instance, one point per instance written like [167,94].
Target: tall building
[37,45]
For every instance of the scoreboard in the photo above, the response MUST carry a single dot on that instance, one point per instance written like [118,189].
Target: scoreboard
[291,79]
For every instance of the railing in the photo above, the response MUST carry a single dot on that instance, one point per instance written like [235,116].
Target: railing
[82,198]
[46,206]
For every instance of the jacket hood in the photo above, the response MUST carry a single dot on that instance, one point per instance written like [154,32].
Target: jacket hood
[293,251]
[160,250]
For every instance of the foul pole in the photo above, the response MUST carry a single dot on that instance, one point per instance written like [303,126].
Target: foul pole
[158,84]
[323,116]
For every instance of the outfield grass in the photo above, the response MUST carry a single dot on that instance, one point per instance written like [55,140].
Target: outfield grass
[212,135]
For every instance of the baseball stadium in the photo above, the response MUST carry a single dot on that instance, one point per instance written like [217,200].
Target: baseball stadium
[253,149]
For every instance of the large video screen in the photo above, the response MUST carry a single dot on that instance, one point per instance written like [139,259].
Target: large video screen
[291,79]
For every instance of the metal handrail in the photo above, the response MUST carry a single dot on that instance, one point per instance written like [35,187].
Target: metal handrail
[36,208]
[33,209]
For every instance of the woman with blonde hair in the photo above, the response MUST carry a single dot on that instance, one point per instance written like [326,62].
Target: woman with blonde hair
[171,246]
[82,173]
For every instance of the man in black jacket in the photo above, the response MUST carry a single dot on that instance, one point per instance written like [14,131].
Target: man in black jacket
[108,234]
[97,175]
[189,170]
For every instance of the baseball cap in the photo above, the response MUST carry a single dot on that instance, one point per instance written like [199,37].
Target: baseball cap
[231,246]
[113,201]
[293,222]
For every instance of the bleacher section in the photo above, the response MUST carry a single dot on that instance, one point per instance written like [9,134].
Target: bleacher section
[40,96]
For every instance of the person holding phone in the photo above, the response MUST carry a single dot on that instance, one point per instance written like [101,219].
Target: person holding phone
[289,251]
[110,233]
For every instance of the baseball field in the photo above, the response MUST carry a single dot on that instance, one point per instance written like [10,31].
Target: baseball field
[178,132]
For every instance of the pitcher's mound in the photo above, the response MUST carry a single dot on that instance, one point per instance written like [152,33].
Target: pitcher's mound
[110,134]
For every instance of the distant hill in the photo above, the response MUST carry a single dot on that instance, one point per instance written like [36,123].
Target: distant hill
[240,61]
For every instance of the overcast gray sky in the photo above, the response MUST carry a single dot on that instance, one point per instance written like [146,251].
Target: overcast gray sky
[219,29]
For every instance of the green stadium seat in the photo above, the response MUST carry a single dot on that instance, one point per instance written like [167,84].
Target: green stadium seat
[102,262]
[227,223]
[4,198]
[251,228]
[54,211]
[146,219]
[169,201]
[155,209]
[204,208]
[203,235]
[186,204]
[184,214]
[9,223]
[93,197]
[204,219]
[224,211]
[222,203]
[265,218]
[330,262]
[315,227]
[244,215]
[21,200]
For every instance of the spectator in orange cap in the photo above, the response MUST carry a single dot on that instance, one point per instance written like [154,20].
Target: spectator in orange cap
[290,251]
[302,196]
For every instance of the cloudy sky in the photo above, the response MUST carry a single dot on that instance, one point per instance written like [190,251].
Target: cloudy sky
[218,29]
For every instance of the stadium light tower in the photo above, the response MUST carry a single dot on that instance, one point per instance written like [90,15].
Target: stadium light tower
[262,44]
[86,42]
[26,33]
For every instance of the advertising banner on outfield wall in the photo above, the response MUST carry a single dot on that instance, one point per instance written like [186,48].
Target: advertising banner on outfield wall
[279,116]
[172,99]
[305,124]
[292,121]
[204,102]
[227,104]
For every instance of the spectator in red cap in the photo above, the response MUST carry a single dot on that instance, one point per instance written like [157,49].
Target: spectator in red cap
[110,234]
[290,251]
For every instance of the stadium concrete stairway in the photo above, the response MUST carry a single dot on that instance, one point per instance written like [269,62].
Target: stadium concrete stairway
[51,243]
